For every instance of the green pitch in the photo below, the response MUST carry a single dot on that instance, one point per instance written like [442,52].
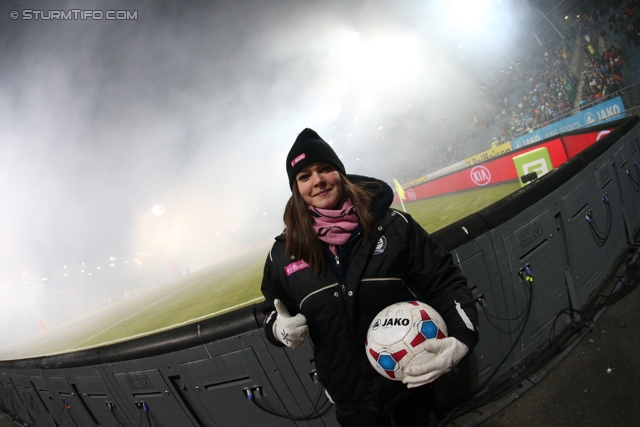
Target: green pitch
[438,212]
[219,288]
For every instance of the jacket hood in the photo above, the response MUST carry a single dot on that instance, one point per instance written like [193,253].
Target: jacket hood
[382,194]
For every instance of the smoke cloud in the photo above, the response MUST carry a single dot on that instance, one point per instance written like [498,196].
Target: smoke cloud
[160,141]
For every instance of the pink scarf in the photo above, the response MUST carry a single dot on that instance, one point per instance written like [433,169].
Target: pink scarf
[334,226]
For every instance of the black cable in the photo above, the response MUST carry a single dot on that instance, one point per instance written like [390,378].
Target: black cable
[632,271]
[527,279]
[68,408]
[592,222]
[599,236]
[556,345]
[318,412]
[112,409]
[71,416]
[11,399]
[630,175]
[147,413]
[118,420]
[488,315]
[475,402]
[27,409]
[600,302]
[140,419]
[587,314]
[553,342]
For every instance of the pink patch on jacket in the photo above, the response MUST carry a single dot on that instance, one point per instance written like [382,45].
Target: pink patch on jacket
[295,266]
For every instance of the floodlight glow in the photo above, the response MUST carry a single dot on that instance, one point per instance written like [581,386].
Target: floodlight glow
[474,24]
[327,112]
[157,210]
[470,14]
[387,59]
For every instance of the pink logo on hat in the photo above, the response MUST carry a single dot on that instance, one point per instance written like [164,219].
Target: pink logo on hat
[298,159]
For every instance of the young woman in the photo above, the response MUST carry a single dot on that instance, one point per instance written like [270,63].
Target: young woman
[343,257]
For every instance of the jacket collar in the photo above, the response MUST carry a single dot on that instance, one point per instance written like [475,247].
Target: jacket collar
[382,194]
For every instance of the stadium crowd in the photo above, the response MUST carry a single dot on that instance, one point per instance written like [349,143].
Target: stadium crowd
[548,85]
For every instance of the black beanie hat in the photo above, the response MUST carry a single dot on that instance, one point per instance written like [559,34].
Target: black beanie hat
[310,148]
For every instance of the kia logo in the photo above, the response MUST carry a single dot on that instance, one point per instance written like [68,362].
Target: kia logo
[411,194]
[480,175]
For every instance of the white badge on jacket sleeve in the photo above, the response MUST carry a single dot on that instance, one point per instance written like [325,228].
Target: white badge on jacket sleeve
[464,316]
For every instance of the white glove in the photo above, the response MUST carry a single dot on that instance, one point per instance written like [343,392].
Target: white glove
[290,330]
[437,359]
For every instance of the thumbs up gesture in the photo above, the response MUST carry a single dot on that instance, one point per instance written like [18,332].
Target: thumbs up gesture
[290,330]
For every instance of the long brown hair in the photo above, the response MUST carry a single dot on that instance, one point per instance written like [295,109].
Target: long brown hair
[301,239]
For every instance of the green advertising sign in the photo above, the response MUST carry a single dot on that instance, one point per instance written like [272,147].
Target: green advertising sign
[537,161]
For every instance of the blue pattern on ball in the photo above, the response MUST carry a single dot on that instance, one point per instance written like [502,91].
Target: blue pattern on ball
[386,362]
[429,329]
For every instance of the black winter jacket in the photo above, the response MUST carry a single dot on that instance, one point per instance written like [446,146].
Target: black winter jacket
[400,262]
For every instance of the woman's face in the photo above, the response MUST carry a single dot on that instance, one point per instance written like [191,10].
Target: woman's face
[320,185]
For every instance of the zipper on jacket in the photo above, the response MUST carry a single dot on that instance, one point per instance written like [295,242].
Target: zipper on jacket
[341,279]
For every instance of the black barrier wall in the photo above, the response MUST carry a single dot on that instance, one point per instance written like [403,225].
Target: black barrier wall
[529,257]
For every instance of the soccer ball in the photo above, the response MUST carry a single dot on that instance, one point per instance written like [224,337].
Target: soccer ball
[397,335]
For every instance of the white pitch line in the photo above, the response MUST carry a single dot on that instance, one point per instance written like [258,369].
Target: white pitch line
[206,316]
[136,313]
